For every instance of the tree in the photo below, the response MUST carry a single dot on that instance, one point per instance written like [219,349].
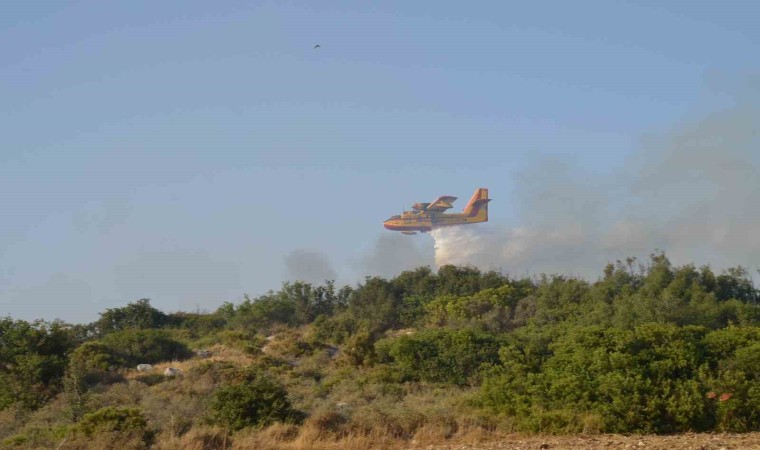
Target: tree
[32,360]
[136,315]
[375,305]
[131,347]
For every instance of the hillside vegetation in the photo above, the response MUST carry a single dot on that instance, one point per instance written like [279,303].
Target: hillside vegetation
[420,358]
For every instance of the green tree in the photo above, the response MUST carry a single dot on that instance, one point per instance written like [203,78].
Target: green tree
[136,315]
[131,347]
[374,305]
[491,308]
[736,283]
[33,358]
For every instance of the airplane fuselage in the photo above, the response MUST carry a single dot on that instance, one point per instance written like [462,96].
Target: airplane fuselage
[423,222]
[427,216]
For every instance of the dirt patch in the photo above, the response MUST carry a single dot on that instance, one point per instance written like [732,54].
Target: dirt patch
[690,441]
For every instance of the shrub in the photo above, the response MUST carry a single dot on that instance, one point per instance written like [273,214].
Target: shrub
[37,437]
[449,307]
[327,422]
[91,363]
[448,356]
[257,401]
[132,347]
[18,440]
[249,342]
[640,380]
[734,396]
[217,371]
[359,349]
[115,426]
[151,379]
[111,419]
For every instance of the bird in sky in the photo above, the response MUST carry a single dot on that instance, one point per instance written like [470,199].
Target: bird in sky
[317,46]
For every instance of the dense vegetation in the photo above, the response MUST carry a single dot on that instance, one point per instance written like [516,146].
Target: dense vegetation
[646,348]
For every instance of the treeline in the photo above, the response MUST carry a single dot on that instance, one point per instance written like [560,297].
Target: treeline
[648,347]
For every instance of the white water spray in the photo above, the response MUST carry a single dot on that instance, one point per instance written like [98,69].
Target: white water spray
[568,249]
[462,245]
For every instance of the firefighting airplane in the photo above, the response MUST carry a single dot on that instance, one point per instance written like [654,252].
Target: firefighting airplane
[426,216]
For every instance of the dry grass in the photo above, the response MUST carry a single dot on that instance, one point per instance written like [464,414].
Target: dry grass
[200,438]
[311,436]
[103,441]
[290,437]
[347,407]
[10,422]
[220,353]
[385,428]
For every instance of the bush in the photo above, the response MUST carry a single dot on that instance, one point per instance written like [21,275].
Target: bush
[447,356]
[734,396]
[92,363]
[111,419]
[472,306]
[37,437]
[151,379]
[132,347]
[258,401]
[359,350]
[641,380]
[18,440]
[115,426]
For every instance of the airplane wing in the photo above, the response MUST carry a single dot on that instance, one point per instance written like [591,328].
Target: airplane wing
[441,203]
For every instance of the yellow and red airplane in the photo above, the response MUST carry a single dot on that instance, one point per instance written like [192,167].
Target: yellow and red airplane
[426,216]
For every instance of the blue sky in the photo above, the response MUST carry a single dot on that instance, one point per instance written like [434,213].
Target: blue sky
[181,150]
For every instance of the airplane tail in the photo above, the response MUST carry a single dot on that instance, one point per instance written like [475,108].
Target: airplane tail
[477,207]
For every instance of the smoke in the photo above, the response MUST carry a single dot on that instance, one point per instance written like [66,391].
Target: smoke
[309,266]
[692,192]
[394,253]
[520,250]
[464,246]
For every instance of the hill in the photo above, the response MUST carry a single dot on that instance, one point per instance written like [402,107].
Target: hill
[456,355]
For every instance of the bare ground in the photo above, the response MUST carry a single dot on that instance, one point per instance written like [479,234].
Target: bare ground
[689,441]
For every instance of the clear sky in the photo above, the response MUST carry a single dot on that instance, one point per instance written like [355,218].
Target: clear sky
[192,151]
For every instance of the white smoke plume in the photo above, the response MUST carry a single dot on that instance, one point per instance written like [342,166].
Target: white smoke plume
[463,246]
[309,266]
[518,251]
[692,192]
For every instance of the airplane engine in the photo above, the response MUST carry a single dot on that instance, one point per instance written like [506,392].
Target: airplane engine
[420,206]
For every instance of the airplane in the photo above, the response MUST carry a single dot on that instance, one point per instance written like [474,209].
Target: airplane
[425,216]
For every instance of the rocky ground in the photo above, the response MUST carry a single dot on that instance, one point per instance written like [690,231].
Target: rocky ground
[609,441]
